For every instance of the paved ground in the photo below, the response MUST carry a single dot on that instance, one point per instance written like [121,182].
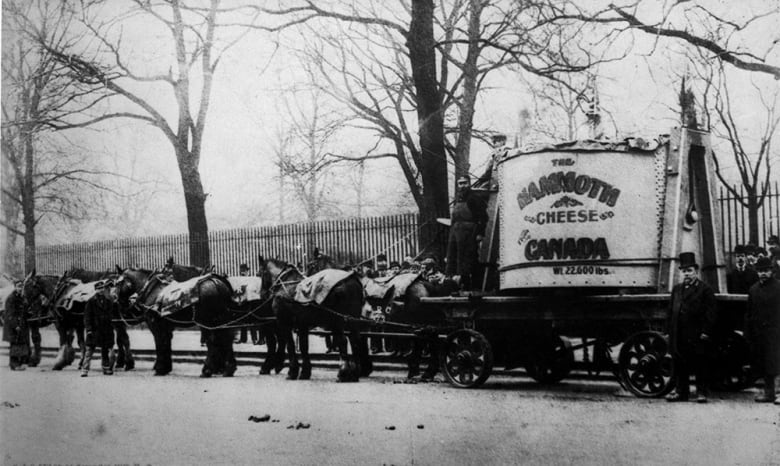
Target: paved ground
[136,418]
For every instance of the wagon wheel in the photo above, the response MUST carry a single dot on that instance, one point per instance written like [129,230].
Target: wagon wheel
[467,359]
[645,364]
[733,373]
[552,361]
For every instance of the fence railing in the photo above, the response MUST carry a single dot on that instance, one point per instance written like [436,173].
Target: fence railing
[735,228]
[348,241]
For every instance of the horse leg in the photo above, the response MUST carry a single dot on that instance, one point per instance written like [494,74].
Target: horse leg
[433,359]
[289,342]
[349,370]
[60,360]
[276,341]
[413,360]
[35,338]
[167,337]
[229,356]
[209,364]
[86,359]
[120,349]
[303,337]
[271,355]
[82,346]
[360,351]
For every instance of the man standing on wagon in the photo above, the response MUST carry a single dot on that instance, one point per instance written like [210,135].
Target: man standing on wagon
[468,221]
[691,324]
[762,327]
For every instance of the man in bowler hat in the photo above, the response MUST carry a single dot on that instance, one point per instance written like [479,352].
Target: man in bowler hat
[762,327]
[742,277]
[691,326]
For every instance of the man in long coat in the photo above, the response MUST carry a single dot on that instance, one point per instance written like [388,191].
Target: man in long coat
[99,330]
[15,329]
[762,327]
[692,321]
[469,218]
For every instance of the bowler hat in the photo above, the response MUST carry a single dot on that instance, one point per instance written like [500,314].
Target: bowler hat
[773,240]
[740,249]
[243,267]
[763,263]
[688,259]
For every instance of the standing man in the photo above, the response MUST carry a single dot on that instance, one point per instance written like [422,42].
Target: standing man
[99,330]
[243,271]
[762,327]
[469,218]
[691,325]
[741,278]
[15,329]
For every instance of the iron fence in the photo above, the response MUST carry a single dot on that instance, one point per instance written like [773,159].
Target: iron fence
[734,217]
[348,241]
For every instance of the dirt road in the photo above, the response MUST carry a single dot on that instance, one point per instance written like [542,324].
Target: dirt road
[136,418]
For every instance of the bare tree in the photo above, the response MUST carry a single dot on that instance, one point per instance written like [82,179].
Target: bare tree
[699,24]
[47,179]
[422,67]
[752,163]
[196,54]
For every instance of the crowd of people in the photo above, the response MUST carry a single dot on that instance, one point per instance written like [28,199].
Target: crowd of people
[693,320]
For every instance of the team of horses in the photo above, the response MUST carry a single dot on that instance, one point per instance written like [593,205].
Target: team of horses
[179,296]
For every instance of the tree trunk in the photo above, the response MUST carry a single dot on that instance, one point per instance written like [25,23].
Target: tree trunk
[195,202]
[753,224]
[470,89]
[433,169]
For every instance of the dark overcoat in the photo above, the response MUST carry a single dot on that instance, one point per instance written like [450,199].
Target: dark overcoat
[97,322]
[15,328]
[762,324]
[693,312]
[739,282]
[14,319]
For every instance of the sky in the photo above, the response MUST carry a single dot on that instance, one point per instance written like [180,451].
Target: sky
[247,109]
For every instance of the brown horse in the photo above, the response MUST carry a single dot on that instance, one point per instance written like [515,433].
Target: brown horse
[406,309]
[209,312]
[38,294]
[338,312]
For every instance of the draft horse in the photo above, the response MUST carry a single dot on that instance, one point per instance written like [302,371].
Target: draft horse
[340,311]
[38,295]
[208,311]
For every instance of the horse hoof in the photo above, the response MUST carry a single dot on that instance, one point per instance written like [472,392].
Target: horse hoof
[412,374]
[305,375]
[205,375]
[129,366]
[265,371]
[160,373]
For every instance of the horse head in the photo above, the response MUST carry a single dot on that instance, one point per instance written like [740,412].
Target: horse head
[38,295]
[182,273]
[130,282]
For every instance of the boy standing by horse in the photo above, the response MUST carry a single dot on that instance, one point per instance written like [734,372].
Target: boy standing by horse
[99,330]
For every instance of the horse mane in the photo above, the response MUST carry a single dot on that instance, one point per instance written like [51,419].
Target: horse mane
[278,262]
[87,275]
